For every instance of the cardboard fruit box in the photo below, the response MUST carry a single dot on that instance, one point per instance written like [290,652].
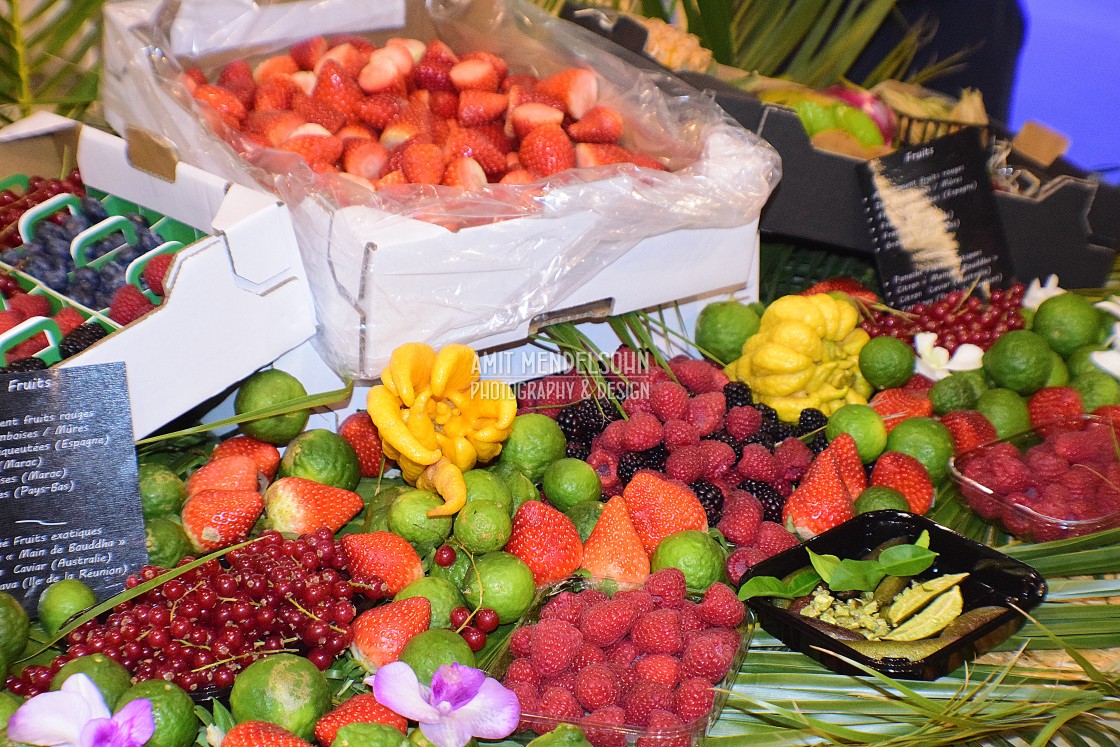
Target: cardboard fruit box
[381,276]
[237,299]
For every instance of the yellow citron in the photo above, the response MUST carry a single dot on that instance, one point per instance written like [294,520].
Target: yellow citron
[437,419]
[805,354]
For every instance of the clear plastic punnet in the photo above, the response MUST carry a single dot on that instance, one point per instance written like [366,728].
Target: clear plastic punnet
[434,263]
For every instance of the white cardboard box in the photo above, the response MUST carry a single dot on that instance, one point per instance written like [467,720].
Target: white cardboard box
[238,298]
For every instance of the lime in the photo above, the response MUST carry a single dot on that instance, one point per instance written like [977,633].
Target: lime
[535,441]
[695,553]
[378,502]
[501,582]
[722,327]
[569,481]
[443,595]
[927,440]
[1079,361]
[14,628]
[975,378]
[408,517]
[482,526]
[880,497]
[1097,388]
[521,488]
[61,601]
[9,704]
[166,541]
[457,572]
[886,362]
[430,650]
[111,678]
[162,493]
[322,456]
[270,388]
[483,485]
[282,689]
[585,515]
[1059,373]
[1068,321]
[952,393]
[1006,410]
[1020,361]
[369,735]
[864,425]
[173,709]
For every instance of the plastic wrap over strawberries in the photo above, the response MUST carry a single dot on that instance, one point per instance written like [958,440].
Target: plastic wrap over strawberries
[393,263]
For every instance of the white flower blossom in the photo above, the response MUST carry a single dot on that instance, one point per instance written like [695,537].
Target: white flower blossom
[1037,292]
[934,362]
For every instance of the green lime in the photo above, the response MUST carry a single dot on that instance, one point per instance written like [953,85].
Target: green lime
[886,362]
[722,327]
[535,441]
[1068,321]
[428,651]
[1059,373]
[880,497]
[111,678]
[864,425]
[176,722]
[282,689]
[270,388]
[14,628]
[322,456]
[1006,410]
[1097,388]
[369,735]
[9,704]
[501,582]
[569,481]
[443,595]
[483,485]
[1079,361]
[162,493]
[521,488]
[585,515]
[408,517]
[952,393]
[166,541]
[378,502]
[456,573]
[976,379]
[927,440]
[695,553]
[1020,361]
[482,526]
[562,735]
[61,601]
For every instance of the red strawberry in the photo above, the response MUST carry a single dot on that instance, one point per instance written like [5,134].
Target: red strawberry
[276,66]
[422,163]
[547,541]
[969,429]
[1054,403]
[383,73]
[237,78]
[525,118]
[843,451]
[228,106]
[601,124]
[234,472]
[358,431]
[308,52]
[614,549]
[261,734]
[658,632]
[265,455]
[300,506]
[606,154]
[351,58]
[354,131]
[499,65]
[366,158]
[474,74]
[596,687]
[553,644]
[381,633]
[380,109]
[824,497]
[275,94]
[315,149]
[659,507]
[336,88]
[385,555]
[464,173]
[472,143]
[317,112]
[30,304]
[155,271]
[429,75]
[393,178]
[193,77]
[214,519]
[907,475]
[918,383]
[480,107]
[577,88]
[546,151]
[895,405]
[851,286]
[129,304]
[720,607]
[68,319]
[360,709]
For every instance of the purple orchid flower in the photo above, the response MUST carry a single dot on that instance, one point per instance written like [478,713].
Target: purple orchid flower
[76,716]
[461,703]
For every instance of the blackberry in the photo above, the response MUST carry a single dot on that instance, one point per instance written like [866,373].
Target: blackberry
[737,394]
[811,419]
[608,408]
[80,338]
[727,438]
[772,501]
[25,364]
[576,450]
[818,443]
[628,464]
[781,430]
[568,420]
[592,416]
[654,458]
[769,415]
[711,498]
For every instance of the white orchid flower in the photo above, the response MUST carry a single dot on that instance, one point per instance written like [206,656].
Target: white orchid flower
[1038,292]
[934,362]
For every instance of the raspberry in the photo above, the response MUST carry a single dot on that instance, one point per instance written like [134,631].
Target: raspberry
[1081,484]
[612,437]
[627,677]
[659,668]
[1076,446]
[690,619]
[693,699]
[697,376]
[628,362]
[1008,475]
[553,645]
[566,606]
[668,400]
[1054,403]
[68,319]
[640,598]
[605,737]
[10,318]
[918,383]
[607,622]
[773,538]
[742,514]
[658,632]
[720,607]
[1045,464]
[741,561]
[758,463]
[596,687]
[565,681]
[558,703]
[522,671]
[623,654]
[667,587]
[742,422]
[677,434]
[686,464]
[719,458]
[665,730]
[642,431]
[705,411]
[605,464]
[586,655]
[709,654]
[519,641]
[793,458]
[155,271]
[128,305]
[636,402]
[593,596]
[643,698]
[30,304]
[526,696]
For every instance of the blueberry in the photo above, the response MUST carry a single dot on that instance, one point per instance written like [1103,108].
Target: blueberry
[58,249]
[93,210]
[55,278]
[87,276]
[139,221]
[147,240]
[75,223]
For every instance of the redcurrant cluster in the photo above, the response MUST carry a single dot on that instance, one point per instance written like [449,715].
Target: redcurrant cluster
[957,318]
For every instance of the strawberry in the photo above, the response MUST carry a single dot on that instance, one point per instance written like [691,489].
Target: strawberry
[472,143]
[237,78]
[360,709]
[354,131]
[843,451]
[480,107]
[382,74]
[385,555]
[272,67]
[300,506]
[851,286]
[265,455]
[907,475]
[432,75]
[234,472]
[318,113]
[465,173]
[501,67]
[366,158]
[276,125]
[1054,403]
[308,52]
[350,58]
[969,429]
[895,405]
[228,106]
[193,77]
[261,734]
[155,270]
[606,154]
[546,150]
[324,149]
[601,124]
[357,429]
[336,88]
[525,118]
[659,507]
[380,633]
[577,88]
[547,541]
[275,93]
[614,549]
[393,178]
[474,74]
[379,109]
[824,497]
[422,163]
[918,383]
[214,519]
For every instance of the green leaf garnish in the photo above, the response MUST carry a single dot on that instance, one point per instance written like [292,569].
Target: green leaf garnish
[824,564]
